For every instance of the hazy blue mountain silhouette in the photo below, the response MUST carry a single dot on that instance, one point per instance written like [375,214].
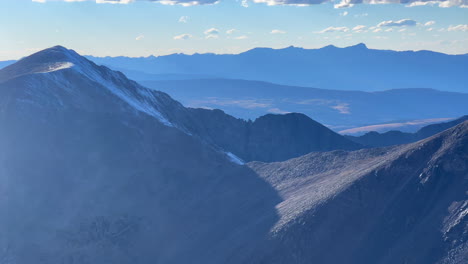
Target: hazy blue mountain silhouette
[340,109]
[375,139]
[330,67]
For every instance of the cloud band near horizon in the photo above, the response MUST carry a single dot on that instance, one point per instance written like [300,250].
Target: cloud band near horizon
[337,3]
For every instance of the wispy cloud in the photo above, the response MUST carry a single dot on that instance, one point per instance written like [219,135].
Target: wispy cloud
[164,2]
[277,31]
[334,29]
[184,19]
[410,3]
[398,23]
[429,23]
[359,28]
[463,28]
[212,33]
[244,3]
[231,31]
[183,37]
[242,37]
[140,37]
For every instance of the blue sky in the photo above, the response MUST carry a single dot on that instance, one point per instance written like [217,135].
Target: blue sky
[143,28]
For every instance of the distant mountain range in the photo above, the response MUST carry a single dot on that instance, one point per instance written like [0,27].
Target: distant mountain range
[95,168]
[330,67]
[338,109]
[394,137]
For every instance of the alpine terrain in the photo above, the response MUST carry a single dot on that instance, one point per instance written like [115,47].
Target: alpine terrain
[95,168]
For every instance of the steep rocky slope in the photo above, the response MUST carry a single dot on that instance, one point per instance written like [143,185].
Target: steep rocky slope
[270,137]
[403,204]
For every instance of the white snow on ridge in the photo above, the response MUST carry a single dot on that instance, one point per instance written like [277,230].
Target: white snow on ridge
[233,158]
[125,95]
[58,66]
[137,97]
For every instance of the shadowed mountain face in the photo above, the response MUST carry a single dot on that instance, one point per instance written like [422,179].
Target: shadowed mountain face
[92,170]
[375,139]
[270,137]
[328,68]
[404,204]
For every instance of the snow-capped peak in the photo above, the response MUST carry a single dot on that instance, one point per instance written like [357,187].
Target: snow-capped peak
[56,61]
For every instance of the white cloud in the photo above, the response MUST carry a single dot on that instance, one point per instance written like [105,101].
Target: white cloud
[399,23]
[389,30]
[463,28]
[231,31]
[410,3]
[140,37]
[212,31]
[164,2]
[183,37]
[291,2]
[440,3]
[241,37]
[277,31]
[377,30]
[334,29]
[359,28]
[345,13]
[106,1]
[429,23]
[184,19]
[342,4]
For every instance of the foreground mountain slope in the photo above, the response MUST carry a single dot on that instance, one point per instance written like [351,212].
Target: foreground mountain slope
[375,139]
[338,109]
[403,204]
[95,169]
[329,67]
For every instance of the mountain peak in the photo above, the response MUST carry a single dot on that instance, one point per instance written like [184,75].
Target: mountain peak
[329,47]
[359,46]
[45,61]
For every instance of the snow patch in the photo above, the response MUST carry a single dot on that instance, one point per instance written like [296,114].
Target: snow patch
[58,66]
[233,158]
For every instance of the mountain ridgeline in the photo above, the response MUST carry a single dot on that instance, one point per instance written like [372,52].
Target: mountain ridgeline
[329,67]
[270,137]
[375,139]
[339,109]
[95,168]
